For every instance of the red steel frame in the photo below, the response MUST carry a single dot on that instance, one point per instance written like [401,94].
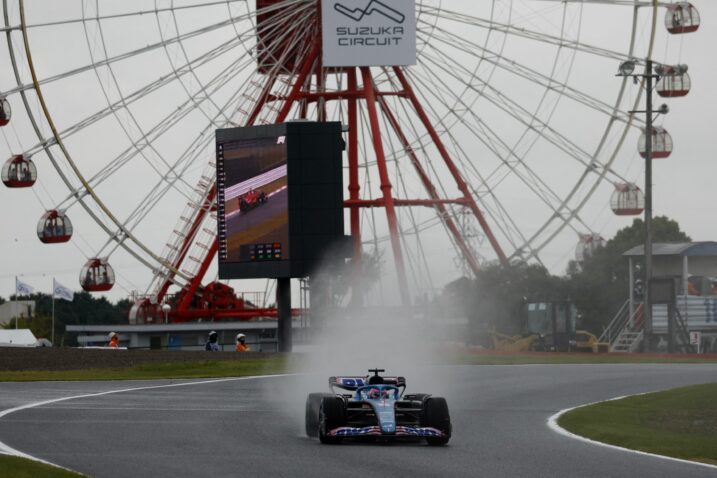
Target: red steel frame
[374,100]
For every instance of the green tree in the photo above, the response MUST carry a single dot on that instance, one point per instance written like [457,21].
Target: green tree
[599,286]
[496,299]
[83,310]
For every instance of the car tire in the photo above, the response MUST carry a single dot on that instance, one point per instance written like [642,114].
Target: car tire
[331,416]
[436,416]
[313,403]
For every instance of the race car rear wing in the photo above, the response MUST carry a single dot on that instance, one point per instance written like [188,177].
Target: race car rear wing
[354,383]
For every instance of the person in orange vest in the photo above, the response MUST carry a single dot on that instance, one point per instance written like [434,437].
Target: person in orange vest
[241,344]
[114,340]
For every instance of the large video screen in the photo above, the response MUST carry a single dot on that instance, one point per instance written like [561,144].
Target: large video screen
[280,208]
[253,200]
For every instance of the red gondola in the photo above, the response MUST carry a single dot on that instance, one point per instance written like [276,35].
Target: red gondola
[627,200]
[661,143]
[18,172]
[5,111]
[587,245]
[54,227]
[97,276]
[682,17]
[672,84]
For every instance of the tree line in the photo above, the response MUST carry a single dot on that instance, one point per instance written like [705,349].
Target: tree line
[598,286]
[85,309]
[496,299]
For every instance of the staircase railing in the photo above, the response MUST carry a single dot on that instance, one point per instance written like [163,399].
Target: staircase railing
[683,335]
[617,324]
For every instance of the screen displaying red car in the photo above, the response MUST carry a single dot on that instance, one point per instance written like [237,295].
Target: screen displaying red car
[253,200]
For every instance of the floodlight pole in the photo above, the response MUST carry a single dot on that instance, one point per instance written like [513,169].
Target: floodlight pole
[648,207]
[649,77]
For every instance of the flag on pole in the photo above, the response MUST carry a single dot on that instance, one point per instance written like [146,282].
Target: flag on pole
[23,289]
[59,291]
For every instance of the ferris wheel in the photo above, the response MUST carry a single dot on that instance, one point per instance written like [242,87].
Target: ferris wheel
[496,145]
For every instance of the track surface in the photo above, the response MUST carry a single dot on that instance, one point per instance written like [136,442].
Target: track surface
[254,427]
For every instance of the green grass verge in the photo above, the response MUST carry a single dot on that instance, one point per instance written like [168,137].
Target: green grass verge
[13,467]
[155,371]
[283,364]
[557,359]
[681,423]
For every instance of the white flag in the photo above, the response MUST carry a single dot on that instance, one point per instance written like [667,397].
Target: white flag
[59,291]
[23,289]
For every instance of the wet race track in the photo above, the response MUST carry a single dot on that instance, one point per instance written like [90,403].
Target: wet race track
[253,427]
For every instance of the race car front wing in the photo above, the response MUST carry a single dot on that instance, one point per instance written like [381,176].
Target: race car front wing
[401,431]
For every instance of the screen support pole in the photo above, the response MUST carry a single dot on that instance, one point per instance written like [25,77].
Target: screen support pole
[283,305]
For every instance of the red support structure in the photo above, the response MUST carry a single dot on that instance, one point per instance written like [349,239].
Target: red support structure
[462,186]
[353,153]
[304,91]
[370,92]
[431,189]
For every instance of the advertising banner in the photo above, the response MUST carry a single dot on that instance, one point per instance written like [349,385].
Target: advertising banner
[369,32]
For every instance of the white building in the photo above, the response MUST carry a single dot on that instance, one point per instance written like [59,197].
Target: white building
[19,308]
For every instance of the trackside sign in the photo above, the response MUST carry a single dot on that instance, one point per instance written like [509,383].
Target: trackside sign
[369,32]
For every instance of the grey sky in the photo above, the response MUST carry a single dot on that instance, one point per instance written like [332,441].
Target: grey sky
[682,183]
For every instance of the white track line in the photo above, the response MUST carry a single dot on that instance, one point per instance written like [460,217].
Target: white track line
[7,450]
[553,425]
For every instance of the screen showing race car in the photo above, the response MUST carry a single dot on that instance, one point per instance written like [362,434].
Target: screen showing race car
[253,201]
[280,208]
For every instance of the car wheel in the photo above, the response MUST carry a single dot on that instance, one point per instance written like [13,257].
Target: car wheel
[313,403]
[437,416]
[331,416]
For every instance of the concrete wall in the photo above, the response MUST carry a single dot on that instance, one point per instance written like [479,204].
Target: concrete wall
[179,340]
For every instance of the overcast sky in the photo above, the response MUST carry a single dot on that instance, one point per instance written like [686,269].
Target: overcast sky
[683,184]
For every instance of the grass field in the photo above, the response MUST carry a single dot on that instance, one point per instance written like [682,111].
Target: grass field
[174,370]
[203,367]
[492,358]
[13,467]
[681,423]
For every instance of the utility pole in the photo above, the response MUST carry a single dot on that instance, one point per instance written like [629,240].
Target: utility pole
[647,312]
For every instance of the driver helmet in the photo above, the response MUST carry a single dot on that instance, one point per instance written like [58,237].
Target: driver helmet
[374,393]
[241,337]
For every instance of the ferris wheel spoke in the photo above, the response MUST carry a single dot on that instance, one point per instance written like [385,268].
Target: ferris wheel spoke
[527,119]
[38,131]
[465,46]
[626,3]
[462,156]
[519,114]
[564,220]
[128,55]
[160,128]
[199,202]
[131,98]
[513,30]
[130,14]
[532,180]
[280,29]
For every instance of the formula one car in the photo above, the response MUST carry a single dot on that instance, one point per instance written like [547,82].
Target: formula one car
[377,409]
[251,200]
